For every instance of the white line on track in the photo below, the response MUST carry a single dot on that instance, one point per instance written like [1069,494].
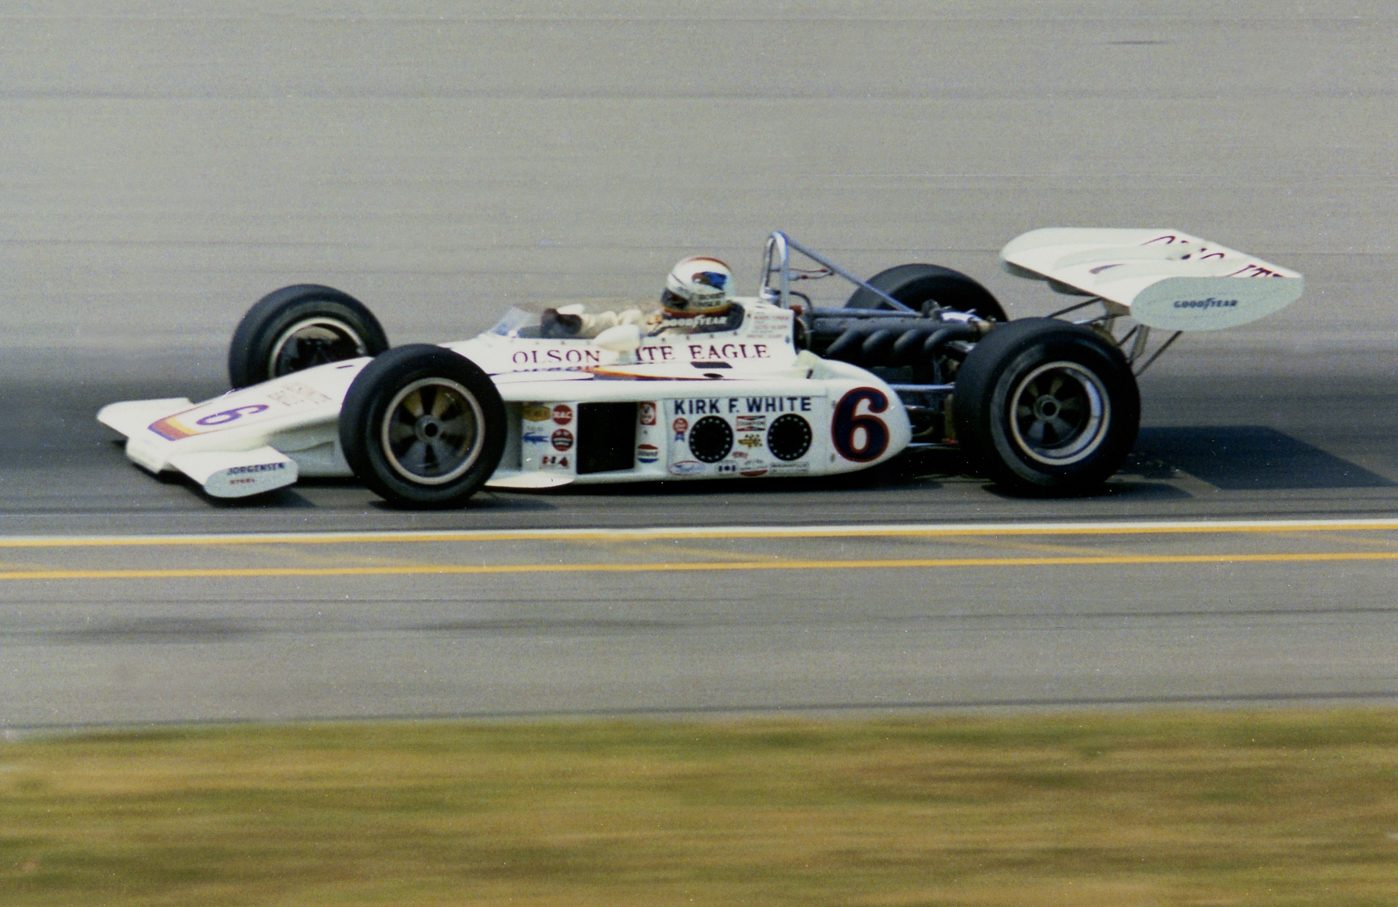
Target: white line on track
[948,530]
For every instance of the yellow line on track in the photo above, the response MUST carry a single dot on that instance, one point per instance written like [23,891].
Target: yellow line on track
[1126,560]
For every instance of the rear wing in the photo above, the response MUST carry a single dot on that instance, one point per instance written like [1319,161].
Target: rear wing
[1166,278]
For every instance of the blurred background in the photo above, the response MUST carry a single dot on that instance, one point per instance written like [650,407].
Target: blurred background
[163,167]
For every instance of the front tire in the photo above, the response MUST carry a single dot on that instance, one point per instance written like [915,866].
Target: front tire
[298,327]
[1045,406]
[915,285]
[423,426]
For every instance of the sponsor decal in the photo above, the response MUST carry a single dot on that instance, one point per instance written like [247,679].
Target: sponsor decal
[553,358]
[695,322]
[702,407]
[260,467]
[536,412]
[686,468]
[769,319]
[729,351]
[1204,253]
[562,414]
[728,469]
[296,395]
[747,422]
[650,354]
[562,439]
[1254,270]
[549,461]
[1169,239]
[756,473]
[1210,303]
[713,406]
[680,426]
[648,413]
[777,405]
[647,453]
[751,442]
[535,437]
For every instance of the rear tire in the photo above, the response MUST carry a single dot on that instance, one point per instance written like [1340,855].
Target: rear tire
[1045,406]
[915,285]
[423,426]
[298,327]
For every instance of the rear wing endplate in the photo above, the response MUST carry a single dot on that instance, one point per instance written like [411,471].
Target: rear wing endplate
[1166,278]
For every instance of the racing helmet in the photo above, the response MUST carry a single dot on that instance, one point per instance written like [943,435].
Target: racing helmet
[696,285]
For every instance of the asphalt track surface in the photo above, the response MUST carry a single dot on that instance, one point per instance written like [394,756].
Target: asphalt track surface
[161,172]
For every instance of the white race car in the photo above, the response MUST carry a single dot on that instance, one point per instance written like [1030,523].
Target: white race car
[771,385]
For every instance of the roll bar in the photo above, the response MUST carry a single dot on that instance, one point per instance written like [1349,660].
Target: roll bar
[777,266]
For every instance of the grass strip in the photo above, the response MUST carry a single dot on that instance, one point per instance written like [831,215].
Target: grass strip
[1218,808]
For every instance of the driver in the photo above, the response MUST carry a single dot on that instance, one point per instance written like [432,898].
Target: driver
[696,296]
[695,300]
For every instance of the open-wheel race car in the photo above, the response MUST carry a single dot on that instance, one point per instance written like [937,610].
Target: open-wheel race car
[704,384]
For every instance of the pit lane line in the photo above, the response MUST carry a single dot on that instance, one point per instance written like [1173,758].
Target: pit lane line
[772,563]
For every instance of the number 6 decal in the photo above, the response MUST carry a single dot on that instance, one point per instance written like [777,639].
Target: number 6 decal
[860,436]
[232,415]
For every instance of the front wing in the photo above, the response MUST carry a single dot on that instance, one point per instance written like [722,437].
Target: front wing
[245,442]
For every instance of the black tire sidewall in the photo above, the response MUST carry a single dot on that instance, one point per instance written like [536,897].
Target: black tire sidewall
[981,405]
[255,338]
[365,407]
[914,284]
